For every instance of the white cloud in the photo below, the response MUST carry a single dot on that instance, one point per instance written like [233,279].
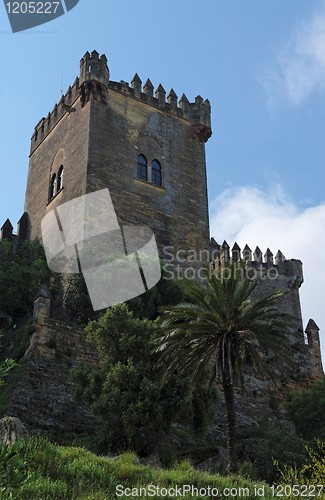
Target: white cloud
[270,220]
[299,68]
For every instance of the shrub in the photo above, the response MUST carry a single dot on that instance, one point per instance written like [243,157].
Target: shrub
[306,409]
[269,444]
[126,390]
[311,474]
[13,470]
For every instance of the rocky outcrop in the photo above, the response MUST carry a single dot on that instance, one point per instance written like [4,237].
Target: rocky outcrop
[11,429]
[43,397]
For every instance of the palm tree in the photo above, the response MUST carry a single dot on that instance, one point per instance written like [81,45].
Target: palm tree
[222,326]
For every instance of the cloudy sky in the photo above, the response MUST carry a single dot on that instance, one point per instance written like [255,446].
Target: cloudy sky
[262,65]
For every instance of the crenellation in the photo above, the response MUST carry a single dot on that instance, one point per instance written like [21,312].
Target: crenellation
[95,134]
[236,253]
[172,100]
[291,268]
[136,86]
[258,256]
[247,254]
[224,253]
[160,94]
[184,105]
[148,90]
[279,258]
[268,257]
[46,125]
[6,231]
[94,83]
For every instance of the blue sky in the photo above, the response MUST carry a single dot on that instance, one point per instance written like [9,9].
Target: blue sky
[261,63]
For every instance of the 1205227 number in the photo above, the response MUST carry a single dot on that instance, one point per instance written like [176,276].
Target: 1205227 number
[297,490]
[32,7]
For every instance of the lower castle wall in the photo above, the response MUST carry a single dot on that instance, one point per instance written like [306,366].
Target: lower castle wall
[43,398]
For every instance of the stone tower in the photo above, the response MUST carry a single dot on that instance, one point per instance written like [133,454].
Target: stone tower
[276,273]
[148,150]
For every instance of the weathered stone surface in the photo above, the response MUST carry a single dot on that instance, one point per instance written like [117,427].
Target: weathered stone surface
[11,429]
[43,397]
[98,145]
[96,132]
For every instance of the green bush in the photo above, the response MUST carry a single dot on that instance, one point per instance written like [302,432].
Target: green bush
[21,275]
[126,392]
[13,470]
[269,444]
[306,409]
[311,474]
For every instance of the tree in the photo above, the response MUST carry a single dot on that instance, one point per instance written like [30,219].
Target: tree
[223,326]
[77,301]
[125,391]
[21,274]
[306,409]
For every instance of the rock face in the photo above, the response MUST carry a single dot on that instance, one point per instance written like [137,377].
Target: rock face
[11,429]
[43,397]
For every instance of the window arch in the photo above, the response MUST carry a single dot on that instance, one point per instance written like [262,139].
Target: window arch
[60,178]
[52,187]
[156,173]
[142,168]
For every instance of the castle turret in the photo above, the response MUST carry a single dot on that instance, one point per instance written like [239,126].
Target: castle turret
[6,231]
[312,332]
[200,117]
[93,67]
[94,76]
[42,304]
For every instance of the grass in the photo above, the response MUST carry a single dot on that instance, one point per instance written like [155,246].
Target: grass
[58,472]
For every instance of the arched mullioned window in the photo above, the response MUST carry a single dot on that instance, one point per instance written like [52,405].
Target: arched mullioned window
[156,173]
[52,187]
[142,168]
[60,178]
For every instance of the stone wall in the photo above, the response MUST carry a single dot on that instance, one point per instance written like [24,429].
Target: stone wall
[96,132]
[43,398]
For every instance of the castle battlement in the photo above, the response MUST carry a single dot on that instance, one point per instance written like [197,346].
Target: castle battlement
[94,83]
[291,268]
[6,231]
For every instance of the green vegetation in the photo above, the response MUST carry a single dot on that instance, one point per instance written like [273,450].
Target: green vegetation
[73,473]
[5,367]
[222,326]
[78,305]
[306,409]
[309,478]
[203,333]
[13,470]
[126,392]
[13,378]
[21,274]
[262,446]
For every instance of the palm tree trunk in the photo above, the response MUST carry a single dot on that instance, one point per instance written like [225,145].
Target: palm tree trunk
[228,390]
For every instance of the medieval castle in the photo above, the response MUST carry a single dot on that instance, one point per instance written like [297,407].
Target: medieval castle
[149,151]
